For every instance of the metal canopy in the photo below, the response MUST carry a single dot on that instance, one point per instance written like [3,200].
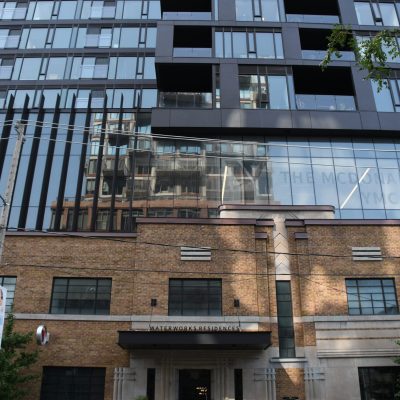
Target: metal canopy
[194,340]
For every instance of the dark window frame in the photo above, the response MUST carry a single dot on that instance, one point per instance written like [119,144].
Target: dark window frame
[96,307]
[368,297]
[180,296]
[62,380]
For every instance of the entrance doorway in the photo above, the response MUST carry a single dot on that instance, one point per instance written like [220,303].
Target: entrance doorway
[194,384]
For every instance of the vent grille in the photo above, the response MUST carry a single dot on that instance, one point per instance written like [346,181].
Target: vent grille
[195,253]
[366,253]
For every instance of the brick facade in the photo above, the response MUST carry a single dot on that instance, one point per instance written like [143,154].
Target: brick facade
[141,266]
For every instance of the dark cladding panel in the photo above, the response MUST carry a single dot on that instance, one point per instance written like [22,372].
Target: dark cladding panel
[193,340]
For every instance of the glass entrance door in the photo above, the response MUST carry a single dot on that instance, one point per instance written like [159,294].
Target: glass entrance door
[194,384]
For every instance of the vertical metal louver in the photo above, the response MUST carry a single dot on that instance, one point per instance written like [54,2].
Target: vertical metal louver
[195,253]
[366,253]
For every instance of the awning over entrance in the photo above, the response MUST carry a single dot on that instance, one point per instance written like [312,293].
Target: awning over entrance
[194,340]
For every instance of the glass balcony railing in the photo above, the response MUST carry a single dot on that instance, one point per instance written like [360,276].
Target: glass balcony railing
[320,55]
[192,52]
[181,15]
[325,102]
[185,100]
[314,19]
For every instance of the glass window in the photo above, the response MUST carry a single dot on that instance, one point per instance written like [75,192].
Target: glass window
[149,68]
[383,99]
[67,9]
[371,296]
[129,38]
[62,38]
[389,16]
[265,45]
[59,383]
[278,92]
[195,297]
[9,282]
[43,10]
[378,383]
[56,68]
[270,10]
[285,320]
[364,13]
[148,98]
[132,10]
[37,38]
[239,45]
[81,296]
[30,69]
[126,68]
[244,10]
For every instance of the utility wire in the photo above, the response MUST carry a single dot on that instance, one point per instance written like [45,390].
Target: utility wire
[32,123]
[159,244]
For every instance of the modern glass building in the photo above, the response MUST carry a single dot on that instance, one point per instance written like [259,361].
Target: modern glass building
[116,94]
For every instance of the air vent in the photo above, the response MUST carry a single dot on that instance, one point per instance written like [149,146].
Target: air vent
[366,253]
[195,254]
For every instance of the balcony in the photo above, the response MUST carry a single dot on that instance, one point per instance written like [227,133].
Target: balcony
[314,43]
[185,100]
[192,41]
[325,102]
[312,11]
[328,90]
[190,10]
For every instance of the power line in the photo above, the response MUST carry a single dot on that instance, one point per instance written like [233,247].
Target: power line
[33,123]
[159,244]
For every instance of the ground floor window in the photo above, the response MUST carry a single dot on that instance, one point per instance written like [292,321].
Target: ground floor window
[379,383]
[72,383]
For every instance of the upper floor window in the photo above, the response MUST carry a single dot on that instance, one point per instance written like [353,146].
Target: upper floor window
[9,283]
[12,10]
[258,10]
[377,13]
[195,297]
[371,296]
[250,44]
[81,296]
[9,38]
[260,91]
[387,99]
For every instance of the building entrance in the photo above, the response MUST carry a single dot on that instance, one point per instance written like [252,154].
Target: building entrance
[194,384]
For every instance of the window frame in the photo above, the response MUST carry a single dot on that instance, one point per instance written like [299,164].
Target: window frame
[369,297]
[65,299]
[181,295]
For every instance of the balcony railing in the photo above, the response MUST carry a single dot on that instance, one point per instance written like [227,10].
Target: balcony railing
[185,100]
[192,52]
[315,19]
[194,16]
[320,55]
[325,102]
